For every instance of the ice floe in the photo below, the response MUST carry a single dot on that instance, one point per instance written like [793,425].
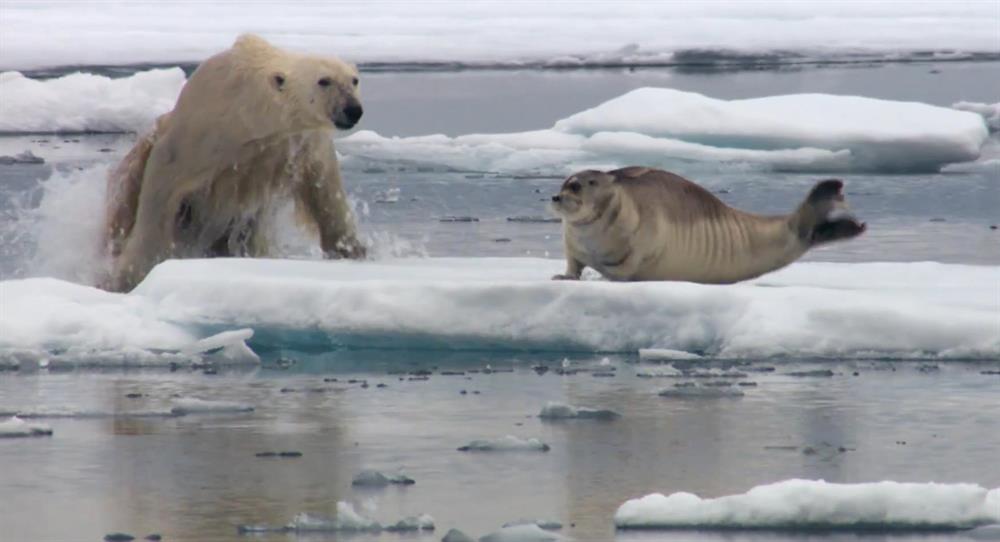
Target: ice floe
[917,310]
[374,478]
[506,443]
[453,33]
[82,102]
[346,520]
[562,411]
[15,427]
[815,504]
[659,126]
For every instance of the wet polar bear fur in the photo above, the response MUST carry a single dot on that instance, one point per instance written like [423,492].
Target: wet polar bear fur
[637,223]
[252,127]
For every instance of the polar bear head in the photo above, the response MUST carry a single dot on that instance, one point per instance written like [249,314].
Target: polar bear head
[323,89]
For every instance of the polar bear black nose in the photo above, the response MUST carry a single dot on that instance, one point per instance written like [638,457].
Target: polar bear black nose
[353,113]
[556,199]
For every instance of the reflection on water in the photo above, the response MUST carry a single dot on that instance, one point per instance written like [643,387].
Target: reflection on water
[194,478]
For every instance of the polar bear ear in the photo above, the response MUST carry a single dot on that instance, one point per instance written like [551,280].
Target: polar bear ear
[278,81]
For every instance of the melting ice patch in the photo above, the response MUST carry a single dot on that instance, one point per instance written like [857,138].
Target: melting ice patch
[83,102]
[815,504]
[654,126]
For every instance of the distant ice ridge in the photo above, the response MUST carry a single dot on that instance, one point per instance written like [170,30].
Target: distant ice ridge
[82,102]
[490,33]
[654,126]
[815,504]
[191,405]
[562,411]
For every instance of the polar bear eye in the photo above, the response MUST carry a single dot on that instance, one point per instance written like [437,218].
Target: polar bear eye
[354,81]
[325,82]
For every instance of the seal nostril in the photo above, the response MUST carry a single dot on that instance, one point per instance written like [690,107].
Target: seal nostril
[556,199]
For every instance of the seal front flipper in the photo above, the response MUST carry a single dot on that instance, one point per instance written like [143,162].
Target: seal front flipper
[824,216]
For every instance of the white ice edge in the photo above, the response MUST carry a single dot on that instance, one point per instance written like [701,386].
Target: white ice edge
[919,310]
[815,504]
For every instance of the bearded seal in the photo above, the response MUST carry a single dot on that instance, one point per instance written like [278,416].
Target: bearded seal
[637,223]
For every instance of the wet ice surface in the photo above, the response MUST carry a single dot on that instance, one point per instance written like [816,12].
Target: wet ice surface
[196,477]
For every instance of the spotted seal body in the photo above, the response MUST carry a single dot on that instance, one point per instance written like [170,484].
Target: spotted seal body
[639,223]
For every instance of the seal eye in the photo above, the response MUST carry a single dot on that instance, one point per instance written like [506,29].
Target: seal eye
[574,187]
[325,82]
[354,81]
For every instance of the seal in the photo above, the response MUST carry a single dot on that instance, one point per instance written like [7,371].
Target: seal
[637,224]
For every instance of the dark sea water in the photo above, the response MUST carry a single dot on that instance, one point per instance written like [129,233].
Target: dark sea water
[195,478]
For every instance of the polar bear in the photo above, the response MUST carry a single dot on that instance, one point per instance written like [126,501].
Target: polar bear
[252,126]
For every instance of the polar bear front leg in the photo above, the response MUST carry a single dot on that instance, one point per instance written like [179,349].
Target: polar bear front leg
[322,197]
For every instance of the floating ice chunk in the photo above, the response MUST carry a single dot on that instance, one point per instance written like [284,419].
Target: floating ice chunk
[191,405]
[228,347]
[26,157]
[563,411]
[83,102]
[389,195]
[990,112]
[347,520]
[51,413]
[505,444]
[423,522]
[15,427]
[374,478]
[815,504]
[880,135]
[521,533]
[665,354]
[454,535]
[548,525]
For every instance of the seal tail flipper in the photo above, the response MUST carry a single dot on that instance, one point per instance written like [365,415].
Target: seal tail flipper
[824,216]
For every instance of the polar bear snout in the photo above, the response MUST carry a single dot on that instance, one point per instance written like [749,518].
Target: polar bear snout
[347,117]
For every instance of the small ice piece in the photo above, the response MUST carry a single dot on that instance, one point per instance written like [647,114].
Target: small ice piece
[259,529]
[16,427]
[26,157]
[374,478]
[818,505]
[191,405]
[521,533]
[458,219]
[689,391]
[548,525]
[423,522]
[665,354]
[347,520]
[562,411]
[507,443]
[228,347]
[454,535]
[389,195]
